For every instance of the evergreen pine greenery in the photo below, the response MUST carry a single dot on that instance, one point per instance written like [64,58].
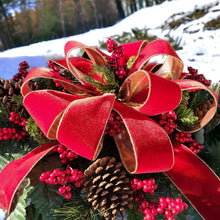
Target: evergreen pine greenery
[35,132]
[186,118]
[108,85]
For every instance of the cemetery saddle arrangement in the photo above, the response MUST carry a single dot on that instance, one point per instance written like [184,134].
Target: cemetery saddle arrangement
[107,135]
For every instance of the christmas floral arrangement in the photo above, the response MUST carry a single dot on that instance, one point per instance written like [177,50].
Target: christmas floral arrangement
[104,129]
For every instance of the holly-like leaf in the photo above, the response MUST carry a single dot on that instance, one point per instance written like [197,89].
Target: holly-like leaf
[46,198]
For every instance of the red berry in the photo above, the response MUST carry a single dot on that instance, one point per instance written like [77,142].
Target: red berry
[68,188]
[167,213]
[160,210]
[62,190]
[68,195]
[77,184]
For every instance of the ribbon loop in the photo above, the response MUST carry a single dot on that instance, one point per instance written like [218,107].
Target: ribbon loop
[171,67]
[137,47]
[45,73]
[149,93]
[192,85]
[89,116]
[48,105]
[94,55]
[140,148]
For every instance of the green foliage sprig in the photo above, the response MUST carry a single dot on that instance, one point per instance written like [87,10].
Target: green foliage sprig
[186,118]
[131,62]
[109,84]
[17,100]
[78,208]
[35,132]
[45,199]
[198,98]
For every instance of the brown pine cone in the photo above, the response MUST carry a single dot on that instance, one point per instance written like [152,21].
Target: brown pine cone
[9,89]
[201,111]
[108,187]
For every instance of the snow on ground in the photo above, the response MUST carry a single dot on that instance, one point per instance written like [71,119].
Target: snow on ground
[200,48]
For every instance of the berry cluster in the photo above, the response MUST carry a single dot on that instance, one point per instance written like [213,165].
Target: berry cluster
[16,119]
[193,74]
[117,60]
[167,121]
[52,66]
[170,207]
[65,154]
[146,185]
[22,71]
[166,206]
[59,177]
[56,69]
[114,125]
[140,187]
[195,146]
[15,133]
[149,210]
[184,137]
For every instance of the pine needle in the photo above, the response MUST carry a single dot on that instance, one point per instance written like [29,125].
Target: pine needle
[109,84]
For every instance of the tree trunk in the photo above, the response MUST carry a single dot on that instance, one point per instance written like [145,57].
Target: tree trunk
[133,6]
[148,3]
[7,29]
[121,12]
[96,14]
[140,2]
[62,17]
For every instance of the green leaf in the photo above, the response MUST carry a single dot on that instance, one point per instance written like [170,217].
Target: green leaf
[19,212]
[3,162]
[46,198]
[7,158]
[133,214]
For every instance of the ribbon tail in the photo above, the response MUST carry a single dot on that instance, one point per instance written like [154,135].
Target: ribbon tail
[15,172]
[196,181]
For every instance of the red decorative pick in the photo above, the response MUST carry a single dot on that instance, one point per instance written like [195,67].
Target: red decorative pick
[78,119]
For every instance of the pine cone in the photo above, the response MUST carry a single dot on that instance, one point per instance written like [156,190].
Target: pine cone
[203,109]
[108,186]
[8,89]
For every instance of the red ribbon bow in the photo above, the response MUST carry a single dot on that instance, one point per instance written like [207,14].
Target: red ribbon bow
[78,120]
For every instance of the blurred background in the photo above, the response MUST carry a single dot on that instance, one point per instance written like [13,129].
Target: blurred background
[23,22]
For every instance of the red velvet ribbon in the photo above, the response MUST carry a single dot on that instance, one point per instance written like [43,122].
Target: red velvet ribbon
[78,120]
[14,173]
[198,183]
